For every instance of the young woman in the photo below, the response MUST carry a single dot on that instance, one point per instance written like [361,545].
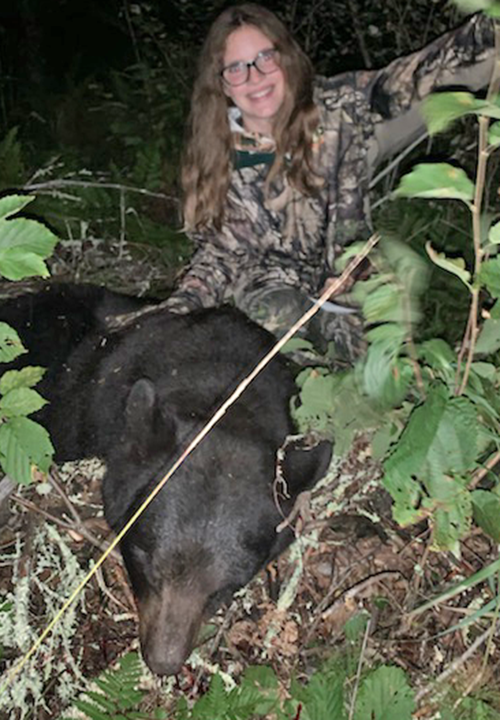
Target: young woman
[278,162]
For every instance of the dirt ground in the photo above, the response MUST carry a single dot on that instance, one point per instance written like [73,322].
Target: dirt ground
[292,616]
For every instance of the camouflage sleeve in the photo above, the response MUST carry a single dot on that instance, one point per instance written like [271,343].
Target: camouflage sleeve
[462,57]
[210,274]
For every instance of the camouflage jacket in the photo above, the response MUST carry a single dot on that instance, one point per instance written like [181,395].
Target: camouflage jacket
[290,240]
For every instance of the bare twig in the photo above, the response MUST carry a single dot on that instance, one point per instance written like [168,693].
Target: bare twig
[455,665]
[55,184]
[360,666]
[65,499]
[71,527]
[472,329]
[481,472]
[353,7]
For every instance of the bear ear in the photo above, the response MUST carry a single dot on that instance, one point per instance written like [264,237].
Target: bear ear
[305,464]
[147,429]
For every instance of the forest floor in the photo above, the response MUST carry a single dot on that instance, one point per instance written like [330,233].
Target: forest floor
[292,616]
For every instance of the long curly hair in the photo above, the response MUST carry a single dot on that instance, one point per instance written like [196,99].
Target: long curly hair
[207,158]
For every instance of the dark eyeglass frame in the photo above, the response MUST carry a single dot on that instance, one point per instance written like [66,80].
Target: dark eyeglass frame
[271,52]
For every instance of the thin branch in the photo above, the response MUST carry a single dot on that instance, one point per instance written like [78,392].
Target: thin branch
[481,472]
[482,160]
[360,666]
[353,7]
[72,527]
[455,665]
[55,184]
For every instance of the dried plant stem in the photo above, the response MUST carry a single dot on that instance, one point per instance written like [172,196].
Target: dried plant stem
[471,332]
[360,667]
[456,664]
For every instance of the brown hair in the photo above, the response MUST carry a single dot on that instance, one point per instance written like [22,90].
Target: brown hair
[207,159]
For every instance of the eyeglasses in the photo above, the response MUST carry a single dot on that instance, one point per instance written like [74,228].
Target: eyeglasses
[237,73]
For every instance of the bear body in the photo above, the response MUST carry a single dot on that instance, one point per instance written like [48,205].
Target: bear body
[136,398]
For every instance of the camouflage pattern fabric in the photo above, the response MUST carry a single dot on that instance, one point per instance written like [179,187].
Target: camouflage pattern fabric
[290,241]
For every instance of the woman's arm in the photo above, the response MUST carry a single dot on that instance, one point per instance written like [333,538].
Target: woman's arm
[212,272]
[463,57]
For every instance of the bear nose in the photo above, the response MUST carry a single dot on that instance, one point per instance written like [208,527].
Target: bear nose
[163,661]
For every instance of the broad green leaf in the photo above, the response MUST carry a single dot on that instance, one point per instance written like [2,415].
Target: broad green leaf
[494,234]
[10,344]
[490,276]
[383,304]
[486,507]
[453,447]
[324,697]
[490,7]
[407,459]
[436,180]
[17,264]
[386,378]
[12,204]
[413,447]
[494,134]
[439,355]
[21,402]
[453,265]
[27,377]
[489,338]
[485,370]
[28,234]
[24,443]
[495,311]
[385,695]
[450,504]
[441,109]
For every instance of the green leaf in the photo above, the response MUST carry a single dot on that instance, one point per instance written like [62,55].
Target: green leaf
[439,355]
[453,265]
[12,204]
[383,304]
[484,370]
[406,461]
[24,443]
[490,276]
[91,710]
[453,447]
[486,507]
[27,377]
[494,134]
[324,697]
[436,180]
[451,512]
[441,109]
[489,338]
[490,7]
[297,343]
[385,695]
[10,344]
[356,626]
[21,402]
[494,234]
[17,263]
[30,235]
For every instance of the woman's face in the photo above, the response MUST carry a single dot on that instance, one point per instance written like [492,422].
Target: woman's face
[261,96]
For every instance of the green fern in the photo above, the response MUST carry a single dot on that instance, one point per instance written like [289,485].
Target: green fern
[120,696]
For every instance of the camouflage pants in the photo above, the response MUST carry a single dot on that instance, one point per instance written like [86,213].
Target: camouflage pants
[278,309]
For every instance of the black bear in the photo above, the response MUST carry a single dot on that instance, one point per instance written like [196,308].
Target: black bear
[136,397]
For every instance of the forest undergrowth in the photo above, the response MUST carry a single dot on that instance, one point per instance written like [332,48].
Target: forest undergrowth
[387,605]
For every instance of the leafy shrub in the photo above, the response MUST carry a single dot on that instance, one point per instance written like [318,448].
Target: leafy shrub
[24,245]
